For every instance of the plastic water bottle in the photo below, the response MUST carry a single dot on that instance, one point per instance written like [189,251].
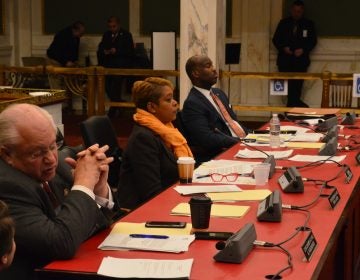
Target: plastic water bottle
[275,131]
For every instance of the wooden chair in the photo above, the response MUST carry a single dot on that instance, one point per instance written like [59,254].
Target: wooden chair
[340,94]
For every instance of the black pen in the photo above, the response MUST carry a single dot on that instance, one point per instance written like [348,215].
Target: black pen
[203,176]
[134,235]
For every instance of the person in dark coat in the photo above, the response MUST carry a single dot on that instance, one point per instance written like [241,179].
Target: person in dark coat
[116,50]
[205,127]
[64,49]
[295,37]
[50,221]
[149,160]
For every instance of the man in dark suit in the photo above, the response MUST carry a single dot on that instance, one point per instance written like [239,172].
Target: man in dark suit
[64,49]
[206,128]
[294,38]
[116,50]
[49,225]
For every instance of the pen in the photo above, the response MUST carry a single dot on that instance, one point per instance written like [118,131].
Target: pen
[203,176]
[149,236]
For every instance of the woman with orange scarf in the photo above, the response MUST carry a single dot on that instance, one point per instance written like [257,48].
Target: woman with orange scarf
[149,160]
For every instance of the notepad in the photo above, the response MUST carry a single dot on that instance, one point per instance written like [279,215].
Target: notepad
[307,145]
[245,195]
[217,210]
[314,158]
[185,190]
[139,228]
[246,153]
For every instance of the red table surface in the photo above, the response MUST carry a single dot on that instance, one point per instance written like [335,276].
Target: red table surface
[260,261]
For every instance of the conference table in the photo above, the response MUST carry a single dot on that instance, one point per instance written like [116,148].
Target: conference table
[337,231]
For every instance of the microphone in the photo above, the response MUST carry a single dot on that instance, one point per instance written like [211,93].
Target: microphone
[349,119]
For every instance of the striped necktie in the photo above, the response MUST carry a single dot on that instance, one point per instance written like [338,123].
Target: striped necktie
[236,128]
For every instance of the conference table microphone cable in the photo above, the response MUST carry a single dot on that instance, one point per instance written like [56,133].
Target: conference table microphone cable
[299,229]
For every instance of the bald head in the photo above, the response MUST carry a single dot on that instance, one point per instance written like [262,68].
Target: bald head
[201,71]
[15,118]
[28,141]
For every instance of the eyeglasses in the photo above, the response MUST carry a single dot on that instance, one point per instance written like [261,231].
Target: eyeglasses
[231,177]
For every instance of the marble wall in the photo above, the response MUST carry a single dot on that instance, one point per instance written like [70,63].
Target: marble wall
[254,22]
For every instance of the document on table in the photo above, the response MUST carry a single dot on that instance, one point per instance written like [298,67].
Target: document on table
[305,137]
[171,244]
[306,145]
[245,195]
[217,210]
[139,228]
[313,158]
[246,153]
[145,268]
[185,190]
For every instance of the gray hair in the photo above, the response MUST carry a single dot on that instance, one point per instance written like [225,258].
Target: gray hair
[12,116]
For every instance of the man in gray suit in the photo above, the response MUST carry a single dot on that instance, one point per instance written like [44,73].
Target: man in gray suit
[50,224]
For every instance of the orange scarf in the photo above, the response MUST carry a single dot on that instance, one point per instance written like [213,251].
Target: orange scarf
[173,139]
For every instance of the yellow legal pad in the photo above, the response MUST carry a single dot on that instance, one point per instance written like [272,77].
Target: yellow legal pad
[308,145]
[217,210]
[245,195]
[139,228]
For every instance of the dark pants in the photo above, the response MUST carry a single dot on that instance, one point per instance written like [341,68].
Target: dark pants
[113,87]
[294,86]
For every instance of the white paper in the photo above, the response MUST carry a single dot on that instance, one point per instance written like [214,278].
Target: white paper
[257,154]
[305,137]
[173,244]
[185,190]
[309,158]
[312,121]
[145,268]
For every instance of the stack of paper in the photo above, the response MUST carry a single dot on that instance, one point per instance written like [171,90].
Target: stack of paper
[186,190]
[119,238]
[240,196]
[172,244]
[246,153]
[145,268]
[313,158]
[217,210]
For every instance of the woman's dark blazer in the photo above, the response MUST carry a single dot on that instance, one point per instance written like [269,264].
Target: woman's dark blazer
[148,167]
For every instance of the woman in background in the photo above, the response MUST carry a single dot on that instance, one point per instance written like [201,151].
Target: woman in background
[149,160]
[7,231]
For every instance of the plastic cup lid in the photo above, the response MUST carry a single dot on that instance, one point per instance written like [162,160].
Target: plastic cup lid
[185,160]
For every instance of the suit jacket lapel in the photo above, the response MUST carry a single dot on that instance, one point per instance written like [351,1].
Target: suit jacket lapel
[205,101]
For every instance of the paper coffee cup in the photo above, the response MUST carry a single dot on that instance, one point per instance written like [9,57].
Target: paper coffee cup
[186,169]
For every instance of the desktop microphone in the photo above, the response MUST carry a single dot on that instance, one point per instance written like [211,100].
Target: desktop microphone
[349,118]
[238,246]
[333,132]
[324,126]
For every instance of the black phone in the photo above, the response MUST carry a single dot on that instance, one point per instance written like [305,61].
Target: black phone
[212,235]
[163,224]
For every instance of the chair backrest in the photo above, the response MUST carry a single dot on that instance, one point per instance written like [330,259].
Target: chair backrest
[33,60]
[340,95]
[99,129]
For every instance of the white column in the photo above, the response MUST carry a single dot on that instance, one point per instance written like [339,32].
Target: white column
[255,25]
[202,31]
